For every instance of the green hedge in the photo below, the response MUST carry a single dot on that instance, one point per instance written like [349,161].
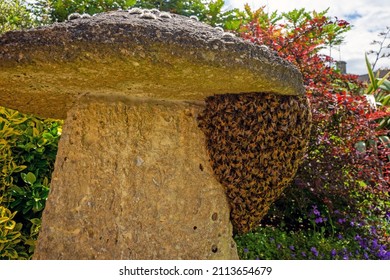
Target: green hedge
[28,147]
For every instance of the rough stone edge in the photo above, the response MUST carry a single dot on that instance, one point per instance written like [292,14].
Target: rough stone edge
[121,28]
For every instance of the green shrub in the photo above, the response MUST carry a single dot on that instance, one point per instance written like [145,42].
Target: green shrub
[10,236]
[337,178]
[28,147]
[14,15]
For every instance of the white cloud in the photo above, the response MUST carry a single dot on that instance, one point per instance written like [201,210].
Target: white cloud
[368,17]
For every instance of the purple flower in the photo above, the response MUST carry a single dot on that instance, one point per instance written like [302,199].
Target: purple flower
[382,251]
[279,246]
[341,221]
[303,254]
[375,244]
[292,248]
[340,236]
[314,251]
[315,211]
[373,230]
[246,250]
[333,253]
[320,220]
[358,237]
[363,245]
[386,256]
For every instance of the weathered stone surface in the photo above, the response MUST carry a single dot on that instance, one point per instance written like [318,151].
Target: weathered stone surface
[133,181]
[45,70]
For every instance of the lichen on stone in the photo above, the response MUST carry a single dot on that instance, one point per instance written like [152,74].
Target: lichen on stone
[194,18]
[135,11]
[148,15]
[154,11]
[85,16]
[74,16]
[219,29]
[165,15]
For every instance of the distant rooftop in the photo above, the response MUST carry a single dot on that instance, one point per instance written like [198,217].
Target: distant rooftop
[382,73]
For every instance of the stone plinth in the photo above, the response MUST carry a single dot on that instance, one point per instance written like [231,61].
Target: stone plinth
[127,185]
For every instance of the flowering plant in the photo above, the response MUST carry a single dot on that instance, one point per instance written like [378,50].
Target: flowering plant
[336,178]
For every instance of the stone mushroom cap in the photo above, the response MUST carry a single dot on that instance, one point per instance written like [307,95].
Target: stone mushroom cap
[126,54]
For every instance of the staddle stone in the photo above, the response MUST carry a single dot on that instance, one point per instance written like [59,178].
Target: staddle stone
[134,187]
[132,178]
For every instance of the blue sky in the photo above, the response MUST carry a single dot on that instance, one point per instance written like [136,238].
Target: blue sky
[368,17]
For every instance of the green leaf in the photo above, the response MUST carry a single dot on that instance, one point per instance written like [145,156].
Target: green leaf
[385,85]
[41,142]
[130,3]
[12,254]
[29,178]
[35,132]
[382,123]
[362,184]
[48,136]
[371,75]
[18,190]
[36,221]
[18,120]
[19,168]
[40,150]
[29,146]
[28,208]
[385,140]
[386,101]
[382,80]
[10,225]
[3,219]
[361,146]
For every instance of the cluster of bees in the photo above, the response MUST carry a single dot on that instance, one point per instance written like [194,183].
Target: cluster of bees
[255,142]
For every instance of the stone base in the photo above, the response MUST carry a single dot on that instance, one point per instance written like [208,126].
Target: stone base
[133,181]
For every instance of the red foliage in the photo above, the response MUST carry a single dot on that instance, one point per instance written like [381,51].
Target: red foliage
[341,115]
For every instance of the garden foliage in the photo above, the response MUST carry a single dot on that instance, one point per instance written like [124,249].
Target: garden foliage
[28,147]
[336,177]
[14,15]
[59,10]
[211,12]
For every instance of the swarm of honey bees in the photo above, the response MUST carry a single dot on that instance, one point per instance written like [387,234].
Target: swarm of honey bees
[255,142]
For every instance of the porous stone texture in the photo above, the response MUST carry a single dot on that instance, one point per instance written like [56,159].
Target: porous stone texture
[45,70]
[133,181]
